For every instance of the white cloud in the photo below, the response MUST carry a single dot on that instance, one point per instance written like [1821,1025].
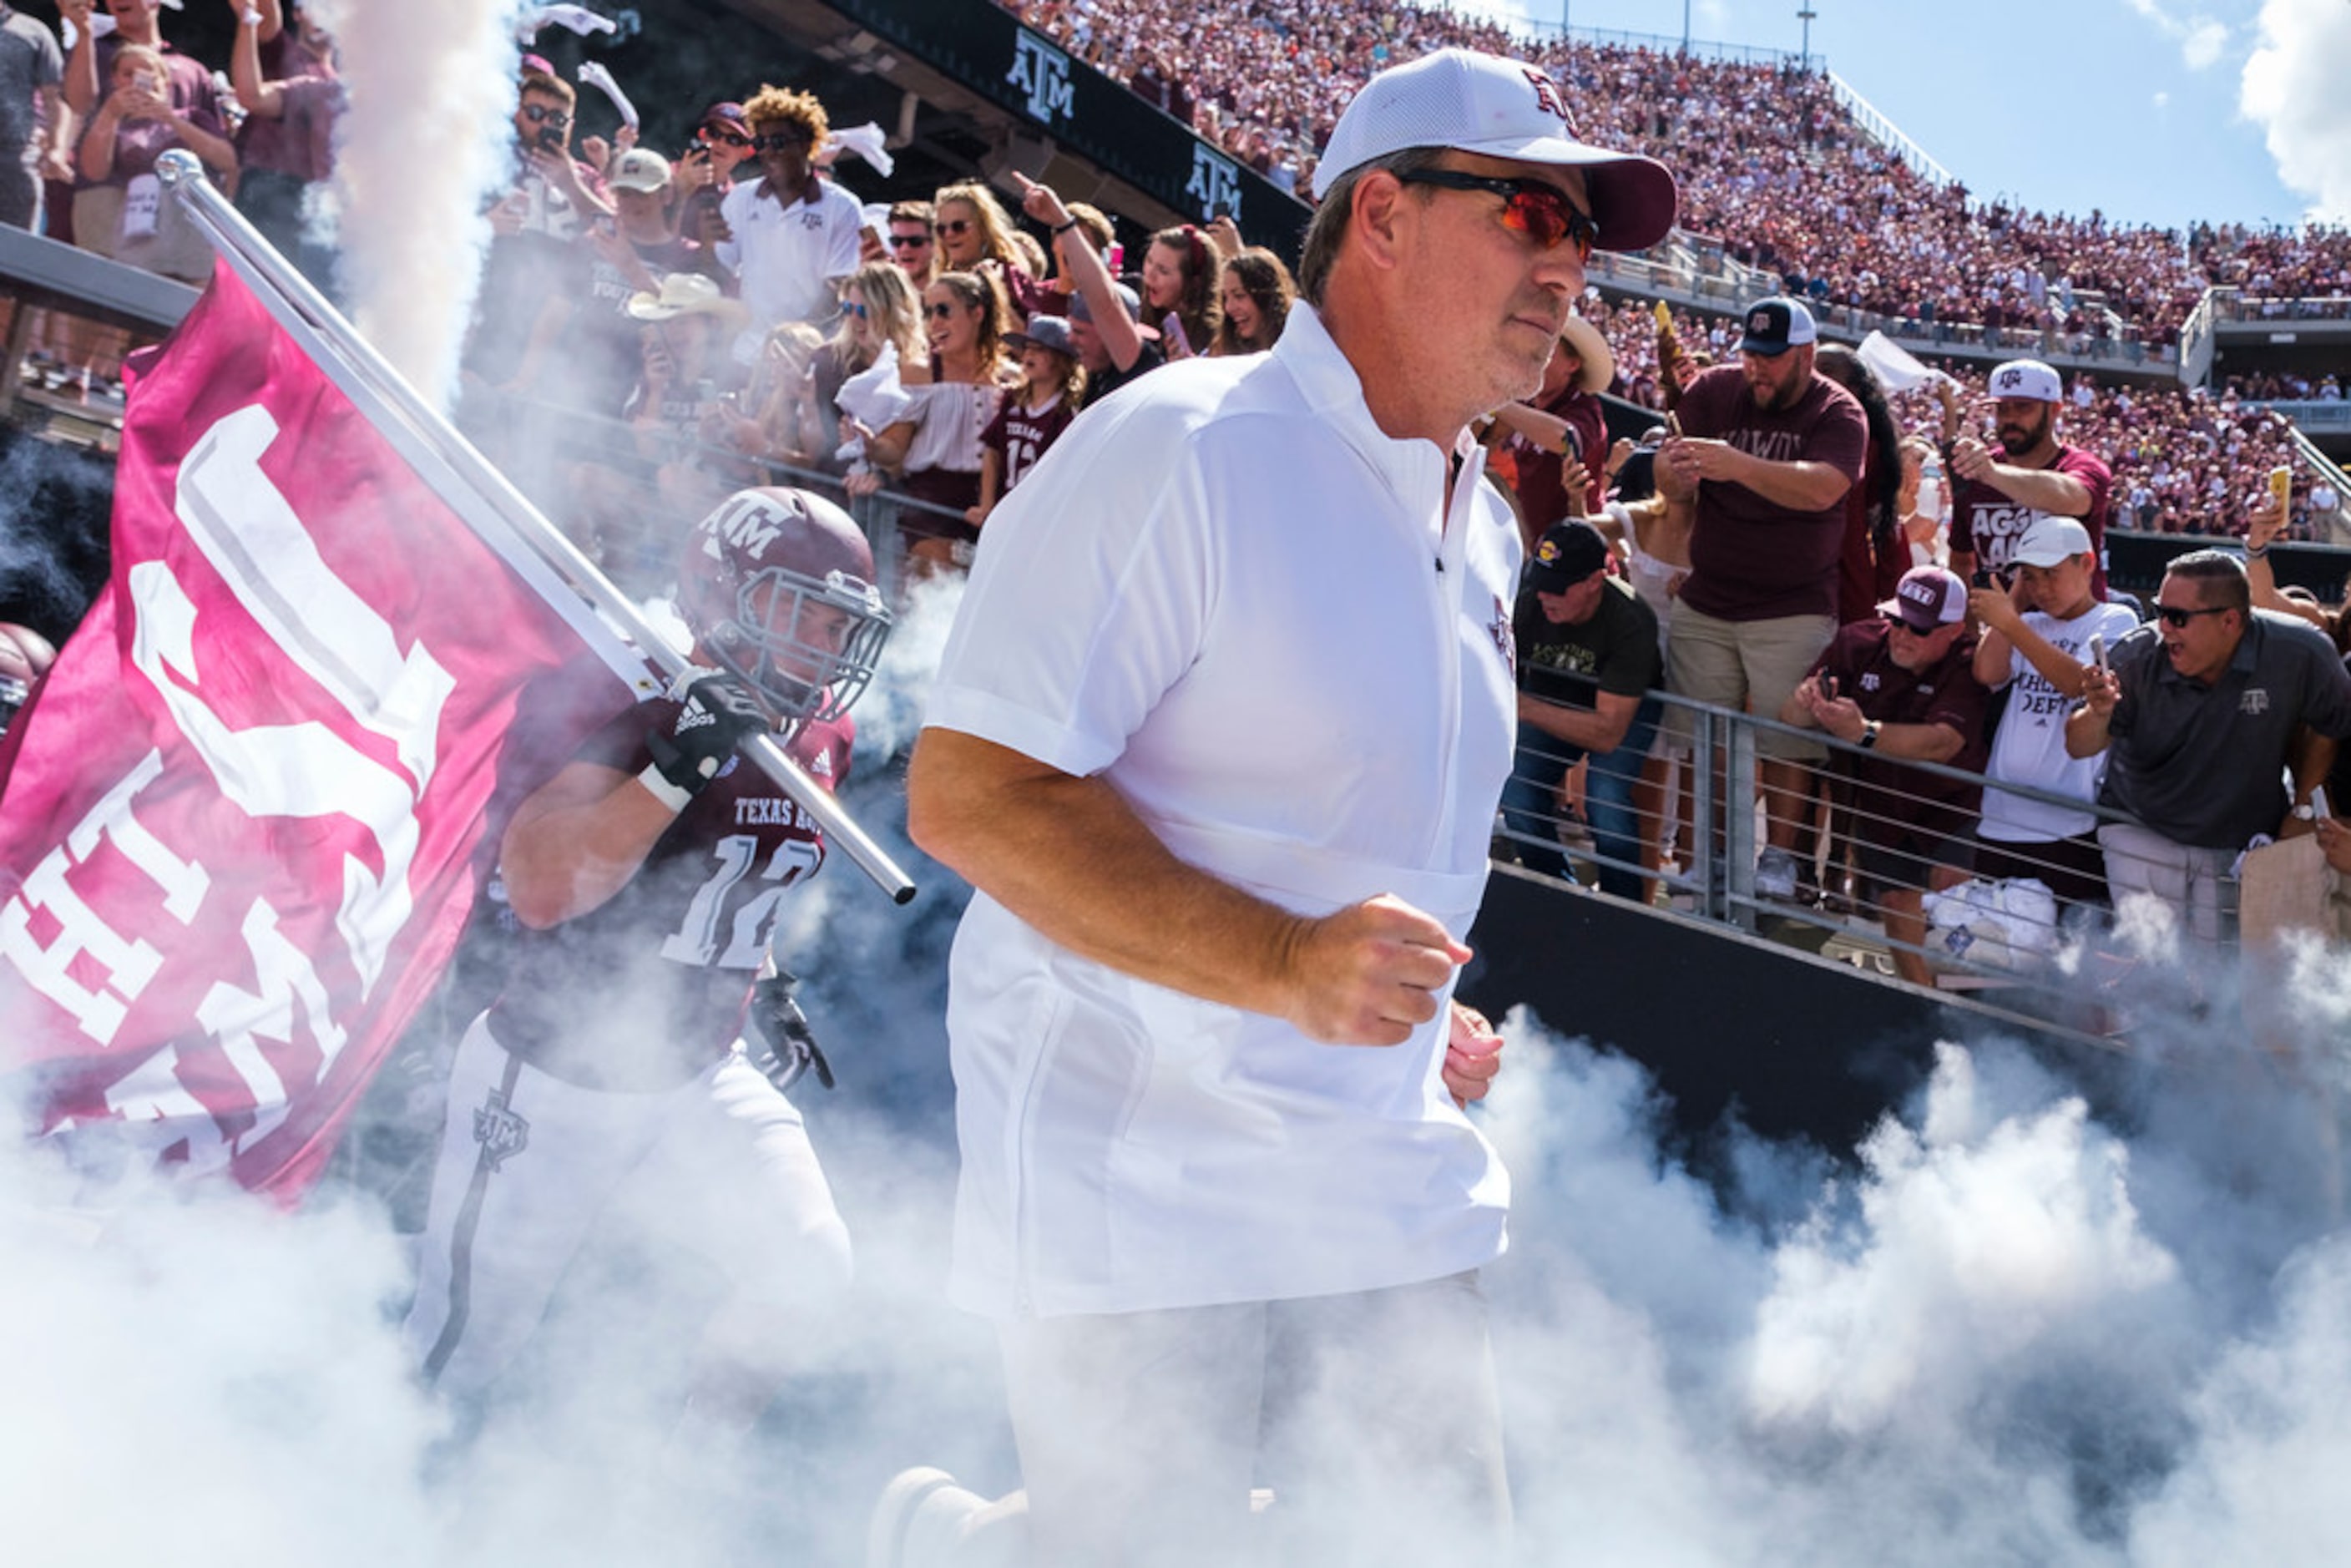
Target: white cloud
[2201,39]
[2161,101]
[2292,87]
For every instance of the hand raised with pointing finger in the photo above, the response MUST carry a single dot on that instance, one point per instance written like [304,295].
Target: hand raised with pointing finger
[1369,973]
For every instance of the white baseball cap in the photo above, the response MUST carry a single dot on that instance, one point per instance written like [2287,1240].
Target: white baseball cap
[2049,539]
[2027,378]
[641,169]
[1481,103]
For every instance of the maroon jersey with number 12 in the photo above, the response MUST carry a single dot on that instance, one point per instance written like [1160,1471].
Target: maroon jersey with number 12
[1020,435]
[649,988]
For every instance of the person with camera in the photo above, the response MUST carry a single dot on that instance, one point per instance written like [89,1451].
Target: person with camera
[1767,452]
[538,261]
[1560,426]
[2041,633]
[1996,496]
[1902,687]
[2204,709]
[705,170]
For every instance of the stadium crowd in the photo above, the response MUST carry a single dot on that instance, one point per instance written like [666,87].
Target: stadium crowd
[1772,166]
[660,326]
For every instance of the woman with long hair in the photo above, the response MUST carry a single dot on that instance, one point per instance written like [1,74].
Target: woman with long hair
[879,310]
[1181,277]
[1256,294]
[1875,550]
[934,449]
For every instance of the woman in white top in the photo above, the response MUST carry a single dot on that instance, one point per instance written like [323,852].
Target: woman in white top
[934,450]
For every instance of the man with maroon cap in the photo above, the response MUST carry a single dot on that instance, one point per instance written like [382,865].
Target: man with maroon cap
[1998,495]
[706,169]
[1903,689]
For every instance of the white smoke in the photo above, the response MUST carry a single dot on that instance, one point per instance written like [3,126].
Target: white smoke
[430,85]
[2027,1324]
[2292,87]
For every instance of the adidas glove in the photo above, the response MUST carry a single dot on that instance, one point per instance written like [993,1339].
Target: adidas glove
[715,713]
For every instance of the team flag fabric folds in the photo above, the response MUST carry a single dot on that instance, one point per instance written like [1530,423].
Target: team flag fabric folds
[244,819]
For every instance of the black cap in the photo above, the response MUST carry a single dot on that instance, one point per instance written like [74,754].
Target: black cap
[1566,555]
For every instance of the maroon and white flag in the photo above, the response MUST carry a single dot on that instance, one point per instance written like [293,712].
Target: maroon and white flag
[244,818]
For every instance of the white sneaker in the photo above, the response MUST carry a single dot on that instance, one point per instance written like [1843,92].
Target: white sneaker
[919,1522]
[1775,876]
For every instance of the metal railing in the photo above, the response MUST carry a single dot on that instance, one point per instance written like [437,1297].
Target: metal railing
[1885,133]
[1688,842]
[1696,278]
[1662,44]
[2236,304]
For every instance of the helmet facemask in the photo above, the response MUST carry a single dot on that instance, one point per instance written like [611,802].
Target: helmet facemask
[807,646]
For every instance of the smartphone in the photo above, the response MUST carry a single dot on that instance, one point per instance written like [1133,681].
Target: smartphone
[1171,327]
[1983,579]
[2098,650]
[2318,806]
[1828,688]
[2281,486]
[1673,425]
[1114,257]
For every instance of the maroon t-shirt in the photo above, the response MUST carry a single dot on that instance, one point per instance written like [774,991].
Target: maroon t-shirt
[1986,523]
[649,988]
[1861,657]
[1020,436]
[1543,498]
[1751,558]
[294,143]
[191,92]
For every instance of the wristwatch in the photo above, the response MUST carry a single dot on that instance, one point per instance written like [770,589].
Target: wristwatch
[1869,734]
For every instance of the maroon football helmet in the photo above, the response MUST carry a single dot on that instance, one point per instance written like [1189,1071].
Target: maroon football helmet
[778,587]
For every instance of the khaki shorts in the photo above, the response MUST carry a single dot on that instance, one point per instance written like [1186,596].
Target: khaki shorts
[97,218]
[1753,666]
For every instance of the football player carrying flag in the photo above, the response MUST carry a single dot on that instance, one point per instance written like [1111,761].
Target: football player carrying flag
[245,814]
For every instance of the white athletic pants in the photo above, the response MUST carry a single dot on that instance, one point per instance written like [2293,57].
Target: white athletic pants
[1373,1416]
[528,1162]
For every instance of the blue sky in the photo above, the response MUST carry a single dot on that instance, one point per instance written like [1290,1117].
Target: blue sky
[2153,111]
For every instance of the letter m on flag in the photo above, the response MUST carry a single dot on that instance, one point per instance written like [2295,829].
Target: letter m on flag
[245,816]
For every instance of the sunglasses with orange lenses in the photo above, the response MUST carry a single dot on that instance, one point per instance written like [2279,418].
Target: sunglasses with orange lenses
[1541,213]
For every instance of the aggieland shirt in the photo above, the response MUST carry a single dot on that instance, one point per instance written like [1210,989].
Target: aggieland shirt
[2205,765]
[1753,559]
[1987,524]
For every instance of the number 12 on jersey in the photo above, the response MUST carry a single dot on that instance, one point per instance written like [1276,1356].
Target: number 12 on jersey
[745,914]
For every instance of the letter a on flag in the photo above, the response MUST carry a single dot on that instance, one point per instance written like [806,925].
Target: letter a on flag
[244,817]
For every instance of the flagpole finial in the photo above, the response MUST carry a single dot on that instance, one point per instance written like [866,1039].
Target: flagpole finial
[177,166]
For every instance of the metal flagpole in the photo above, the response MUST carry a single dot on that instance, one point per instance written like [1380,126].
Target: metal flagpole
[472,487]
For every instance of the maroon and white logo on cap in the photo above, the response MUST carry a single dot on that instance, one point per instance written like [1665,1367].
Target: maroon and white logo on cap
[1760,322]
[1548,100]
[1928,597]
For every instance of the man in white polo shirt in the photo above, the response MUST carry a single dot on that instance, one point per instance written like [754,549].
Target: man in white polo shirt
[790,235]
[1218,738]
